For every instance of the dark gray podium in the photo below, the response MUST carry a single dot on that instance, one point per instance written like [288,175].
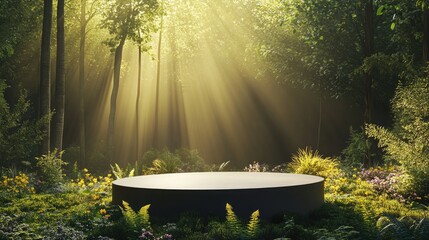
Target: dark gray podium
[208,192]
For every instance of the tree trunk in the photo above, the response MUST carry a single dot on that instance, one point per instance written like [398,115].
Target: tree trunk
[319,127]
[82,81]
[115,89]
[45,74]
[425,35]
[137,103]
[368,50]
[60,79]
[158,76]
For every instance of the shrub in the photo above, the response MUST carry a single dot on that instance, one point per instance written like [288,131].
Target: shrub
[310,162]
[19,135]
[50,171]
[408,142]
[388,180]
[358,148]
[16,186]
[164,161]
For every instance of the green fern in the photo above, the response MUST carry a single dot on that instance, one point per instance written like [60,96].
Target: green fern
[120,173]
[136,221]
[144,216]
[129,215]
[253,225]
[232,219]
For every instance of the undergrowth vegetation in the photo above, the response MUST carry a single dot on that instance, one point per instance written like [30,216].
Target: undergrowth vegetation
[361,203]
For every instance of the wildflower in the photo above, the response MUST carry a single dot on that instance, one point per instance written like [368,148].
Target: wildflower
[103,211]
[85,170]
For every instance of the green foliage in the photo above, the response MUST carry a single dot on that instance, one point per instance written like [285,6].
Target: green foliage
[253,225]
[403,228]
[50,170]
[307,161]
[163,161]
[136,220]
[235,226]
[19,135]
[232,220]
[408,142]
[118,172]
[357,149]
[135,20]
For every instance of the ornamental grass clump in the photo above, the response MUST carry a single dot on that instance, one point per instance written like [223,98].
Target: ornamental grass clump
[307,161]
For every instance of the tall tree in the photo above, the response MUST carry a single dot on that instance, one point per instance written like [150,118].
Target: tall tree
[45,74]
[59,80]
[158,79]
[368,50]
[85,17]
[123,19]
[139,77]
[83,23]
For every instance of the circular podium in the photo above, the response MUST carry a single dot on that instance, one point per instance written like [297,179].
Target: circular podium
[207,193]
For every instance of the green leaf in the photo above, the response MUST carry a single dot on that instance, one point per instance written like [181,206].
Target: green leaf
[392,26]
[380,10]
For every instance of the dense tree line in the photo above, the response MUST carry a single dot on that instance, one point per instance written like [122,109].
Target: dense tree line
[357,51]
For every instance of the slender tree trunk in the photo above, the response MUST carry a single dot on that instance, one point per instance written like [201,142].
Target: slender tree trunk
[158,76]
[45,74]
[60,79]
[425,35]
[319,127]
[137,103]
[368,50]
[82,81]
[115,89]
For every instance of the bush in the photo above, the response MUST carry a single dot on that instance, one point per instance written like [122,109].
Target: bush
[358,148]
[50,171]
[408,142]
[164,161]
[310,162]
[19,135]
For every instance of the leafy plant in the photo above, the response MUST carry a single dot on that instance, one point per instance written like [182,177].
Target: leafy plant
[253,225]
[403,228]
[231,219]
[307,161]
[136,220]
[118,172]
[165,161]
[408,142]
[19,135]
[50,170]
[236,226]
[358,149]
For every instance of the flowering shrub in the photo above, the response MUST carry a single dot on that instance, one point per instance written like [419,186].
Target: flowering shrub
[256,167]
[146,234]
[16,186]
[388,181]
[93,184]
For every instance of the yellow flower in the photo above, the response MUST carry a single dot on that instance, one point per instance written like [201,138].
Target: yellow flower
[85,170]
[103,211]
[94,180]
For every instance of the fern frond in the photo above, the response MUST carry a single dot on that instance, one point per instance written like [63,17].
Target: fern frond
[144,218]
[131,217]
[253,225]
[231,218]
[117,171]
[131,174]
